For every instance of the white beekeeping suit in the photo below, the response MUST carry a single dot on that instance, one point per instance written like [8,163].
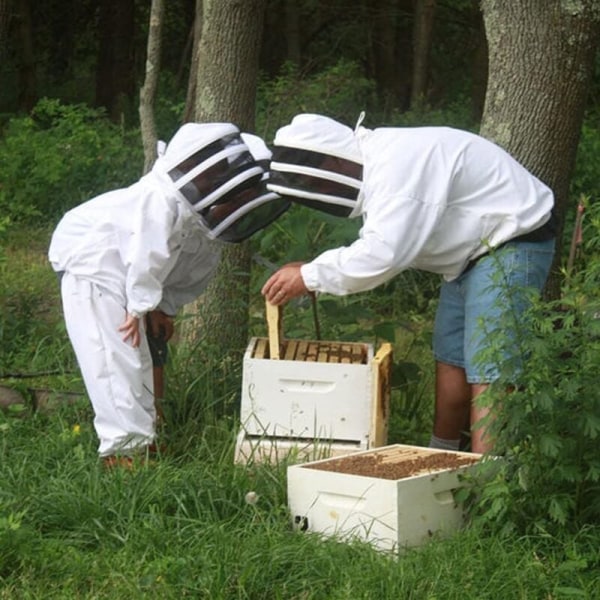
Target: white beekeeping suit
[431,198]
[151,245]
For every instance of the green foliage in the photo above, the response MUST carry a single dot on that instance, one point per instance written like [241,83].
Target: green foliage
[340,92]
[202,391]
[456,113]
[548,426]
[59,156]
[585,176]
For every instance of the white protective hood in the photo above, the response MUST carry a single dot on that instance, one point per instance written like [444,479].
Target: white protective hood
[222,175]
[300,168]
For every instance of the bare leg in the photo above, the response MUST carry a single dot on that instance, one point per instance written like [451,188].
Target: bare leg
[452,401]
[480,442]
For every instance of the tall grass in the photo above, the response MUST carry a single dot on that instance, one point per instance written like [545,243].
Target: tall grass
[182,528]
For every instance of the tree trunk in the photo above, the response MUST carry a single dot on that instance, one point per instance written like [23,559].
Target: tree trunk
[26,64]
[391,52]
[225,91]
[190,100]
[115,73]
[5,16]
[422,37]
[148,91]
[541,57]
[292,32]
[479,72]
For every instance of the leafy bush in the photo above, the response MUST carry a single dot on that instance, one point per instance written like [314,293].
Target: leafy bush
[585,176]
[548,426]
[340,92]
[59,156]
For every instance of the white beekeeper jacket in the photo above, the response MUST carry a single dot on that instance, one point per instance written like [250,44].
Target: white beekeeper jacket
[432,198]
[143,244]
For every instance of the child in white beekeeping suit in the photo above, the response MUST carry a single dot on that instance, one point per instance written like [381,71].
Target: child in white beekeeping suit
[152,247]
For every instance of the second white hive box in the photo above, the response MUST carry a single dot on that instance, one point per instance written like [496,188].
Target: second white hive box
[328,497]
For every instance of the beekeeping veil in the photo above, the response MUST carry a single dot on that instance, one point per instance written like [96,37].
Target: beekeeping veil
[309,164]
[213,168]
[250,210]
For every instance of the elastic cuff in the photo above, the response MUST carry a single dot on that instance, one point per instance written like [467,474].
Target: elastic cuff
[309,276]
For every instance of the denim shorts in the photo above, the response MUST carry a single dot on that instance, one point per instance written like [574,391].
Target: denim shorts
[484,309]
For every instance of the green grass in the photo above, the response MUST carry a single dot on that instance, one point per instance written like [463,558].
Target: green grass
[181,528]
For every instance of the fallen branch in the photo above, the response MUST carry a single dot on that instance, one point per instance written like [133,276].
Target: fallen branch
[33,375]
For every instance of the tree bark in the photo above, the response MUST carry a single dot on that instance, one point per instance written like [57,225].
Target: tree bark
[292,32]
[541,57]
[391,52]
[479,68]
[422,38]
[5,17]
[148,91]
[26,64]
[115,73]
[225,91]
[190,100]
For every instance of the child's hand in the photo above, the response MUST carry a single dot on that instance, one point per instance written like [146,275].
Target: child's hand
[131,329]
[160,324]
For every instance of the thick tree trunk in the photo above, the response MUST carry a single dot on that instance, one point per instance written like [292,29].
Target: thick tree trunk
[225,91]
[148,91]
[479,73]
[540,65]
[5,17]
[292,32]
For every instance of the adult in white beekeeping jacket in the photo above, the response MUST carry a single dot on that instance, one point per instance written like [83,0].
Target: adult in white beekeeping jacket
[431,198]
[152,246]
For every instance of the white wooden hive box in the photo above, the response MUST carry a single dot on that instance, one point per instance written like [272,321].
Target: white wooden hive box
[312,399]
[365,499]
[307,399]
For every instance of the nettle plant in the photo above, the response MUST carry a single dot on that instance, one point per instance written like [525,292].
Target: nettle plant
[547,420]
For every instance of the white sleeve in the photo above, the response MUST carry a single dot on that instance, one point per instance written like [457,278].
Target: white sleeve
[394,232]
[148,253]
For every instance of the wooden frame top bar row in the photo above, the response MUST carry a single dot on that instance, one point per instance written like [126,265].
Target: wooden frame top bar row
[314,351]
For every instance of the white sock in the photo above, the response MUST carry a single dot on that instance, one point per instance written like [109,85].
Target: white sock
[440,444]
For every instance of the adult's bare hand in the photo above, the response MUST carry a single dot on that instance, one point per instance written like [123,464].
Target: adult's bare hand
[285,284]
[131,330]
